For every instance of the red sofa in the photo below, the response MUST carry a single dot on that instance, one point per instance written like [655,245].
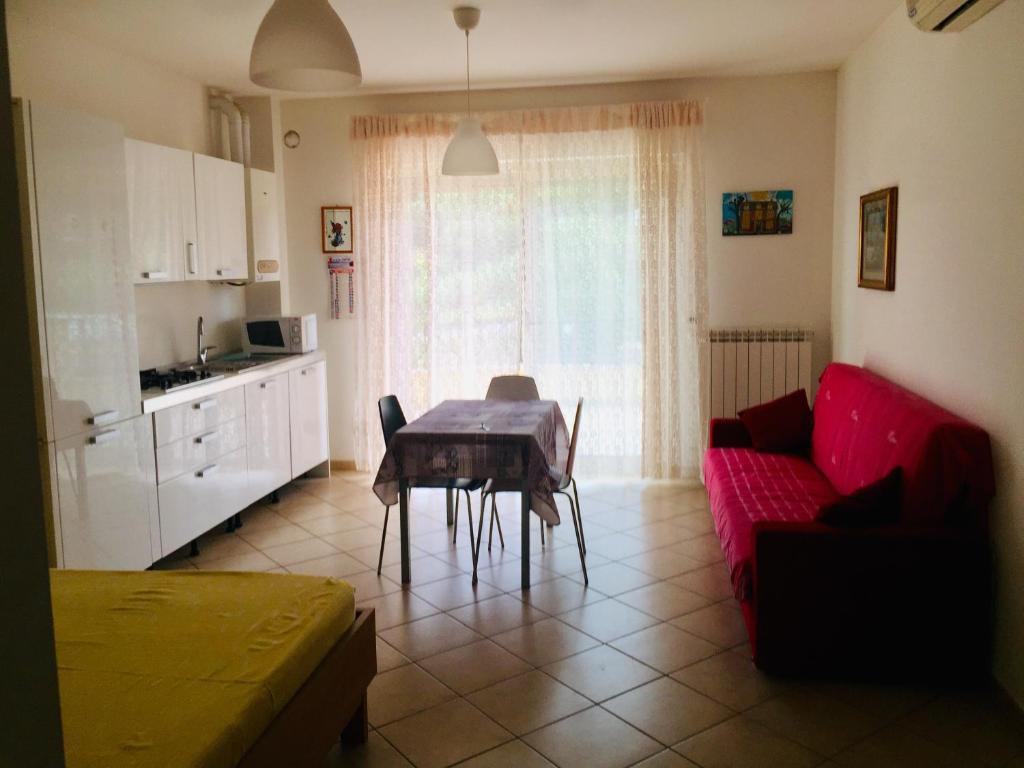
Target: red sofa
[900,600]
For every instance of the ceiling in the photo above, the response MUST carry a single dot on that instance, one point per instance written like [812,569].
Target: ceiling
[413,45]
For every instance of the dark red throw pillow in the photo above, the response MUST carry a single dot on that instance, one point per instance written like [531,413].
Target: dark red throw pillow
[877,503]
[780,426]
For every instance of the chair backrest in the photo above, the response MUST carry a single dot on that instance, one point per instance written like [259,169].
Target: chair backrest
[572,441]
[392,418]
[513,388]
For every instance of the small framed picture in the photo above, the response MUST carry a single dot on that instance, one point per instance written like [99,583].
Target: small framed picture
[877,268]
[769,212]
[336,228]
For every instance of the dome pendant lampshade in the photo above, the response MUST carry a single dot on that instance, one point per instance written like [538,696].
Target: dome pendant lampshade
[302,45]
[469,152]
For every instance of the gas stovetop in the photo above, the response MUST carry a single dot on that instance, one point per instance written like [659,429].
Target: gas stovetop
[175,378]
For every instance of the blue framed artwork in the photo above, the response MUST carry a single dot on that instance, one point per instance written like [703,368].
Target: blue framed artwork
[757,213]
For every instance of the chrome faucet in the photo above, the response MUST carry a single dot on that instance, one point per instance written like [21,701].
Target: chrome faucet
[201,349]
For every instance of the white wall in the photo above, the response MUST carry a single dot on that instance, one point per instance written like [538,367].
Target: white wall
[940,116]
[153,104]
[761,133]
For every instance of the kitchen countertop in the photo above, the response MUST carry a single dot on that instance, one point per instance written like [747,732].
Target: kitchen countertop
[155,399]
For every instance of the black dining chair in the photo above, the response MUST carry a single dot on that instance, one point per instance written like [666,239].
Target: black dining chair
[392,419]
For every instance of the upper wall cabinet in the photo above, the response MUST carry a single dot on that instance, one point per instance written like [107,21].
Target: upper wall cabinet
[161,212]
[220,215]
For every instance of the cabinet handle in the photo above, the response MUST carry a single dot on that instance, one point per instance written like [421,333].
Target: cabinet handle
[200,439]
[103,437]
[202,405]
[193,263]
[103,417]
[206,471]
[304,371]
[224,271]
[155,275]
[265,384]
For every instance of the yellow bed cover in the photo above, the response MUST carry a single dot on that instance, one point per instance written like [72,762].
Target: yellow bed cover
[185,668]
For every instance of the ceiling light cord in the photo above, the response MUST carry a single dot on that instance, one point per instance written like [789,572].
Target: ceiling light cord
[469,112]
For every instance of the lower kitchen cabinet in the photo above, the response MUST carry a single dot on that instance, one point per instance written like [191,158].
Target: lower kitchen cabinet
[199,449]
[106,497]
[200,415]
[201,498]
[228,446]
[308,395]
[268,435]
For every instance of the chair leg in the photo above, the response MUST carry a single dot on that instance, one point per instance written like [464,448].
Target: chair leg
[497,517]
[490,529]
[479,537]
[455,520]
[469,518]
[579,514]
[383,538]
[579,537]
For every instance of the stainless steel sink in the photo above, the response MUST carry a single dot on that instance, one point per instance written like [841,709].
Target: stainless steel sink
[244,364]
[231,366]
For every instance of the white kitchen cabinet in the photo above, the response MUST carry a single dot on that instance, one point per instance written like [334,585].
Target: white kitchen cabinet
[106,492]
[199,415]
[161,211]
[201,498]
[307,391]
[220,218]
[262,227]
[73,172]
[268,434]
[194,451]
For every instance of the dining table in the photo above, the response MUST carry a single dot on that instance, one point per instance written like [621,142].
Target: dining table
[516,443]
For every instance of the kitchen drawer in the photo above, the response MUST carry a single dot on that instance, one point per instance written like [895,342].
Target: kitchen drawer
[199,415]
[201,498]
[197,450]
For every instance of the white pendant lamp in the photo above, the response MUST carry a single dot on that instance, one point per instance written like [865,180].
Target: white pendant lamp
[302,45]
[469,153]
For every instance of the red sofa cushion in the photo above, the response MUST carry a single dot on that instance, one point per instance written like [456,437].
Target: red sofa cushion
[864,426]
[745,486]
[782,425]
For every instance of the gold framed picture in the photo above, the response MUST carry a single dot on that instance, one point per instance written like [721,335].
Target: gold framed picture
[877,266]
[336,228]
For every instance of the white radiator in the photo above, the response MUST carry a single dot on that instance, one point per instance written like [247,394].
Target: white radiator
[750,366]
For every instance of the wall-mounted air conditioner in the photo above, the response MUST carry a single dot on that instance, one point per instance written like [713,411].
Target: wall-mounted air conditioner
[947,15]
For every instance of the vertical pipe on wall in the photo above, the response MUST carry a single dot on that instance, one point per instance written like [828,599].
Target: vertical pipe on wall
[226,106]
[246,138]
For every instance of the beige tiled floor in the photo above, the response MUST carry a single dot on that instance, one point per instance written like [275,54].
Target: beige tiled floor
[647,666]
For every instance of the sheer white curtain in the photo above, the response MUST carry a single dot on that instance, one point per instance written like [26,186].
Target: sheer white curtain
[553,268]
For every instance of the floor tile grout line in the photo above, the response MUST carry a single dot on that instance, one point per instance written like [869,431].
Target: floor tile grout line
[441,704]
[888,724]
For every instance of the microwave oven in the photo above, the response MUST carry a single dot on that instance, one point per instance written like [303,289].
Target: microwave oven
[275,335]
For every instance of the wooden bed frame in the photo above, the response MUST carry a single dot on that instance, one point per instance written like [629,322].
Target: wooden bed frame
[330,703]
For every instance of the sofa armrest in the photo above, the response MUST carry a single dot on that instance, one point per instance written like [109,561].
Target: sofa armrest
[874,598]
[728,433]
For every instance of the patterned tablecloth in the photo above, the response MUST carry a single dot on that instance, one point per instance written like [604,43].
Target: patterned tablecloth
[482,439]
